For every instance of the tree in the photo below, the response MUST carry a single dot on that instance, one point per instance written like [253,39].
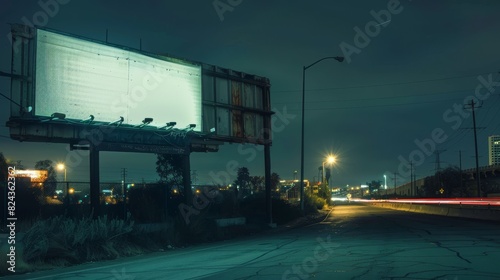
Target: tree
[243,180]
[257,183]
[169,168]
[50,185]
[324,191]
[275,180]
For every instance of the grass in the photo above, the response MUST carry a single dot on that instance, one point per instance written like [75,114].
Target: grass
[63,241]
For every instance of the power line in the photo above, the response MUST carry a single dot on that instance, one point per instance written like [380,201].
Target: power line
[491,104]
[458,138]
[373,106]
[489,123]
[460,133]
[380,98]
[390,84]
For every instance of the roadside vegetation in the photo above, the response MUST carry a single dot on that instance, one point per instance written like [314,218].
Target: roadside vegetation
[63,241]
[65,234]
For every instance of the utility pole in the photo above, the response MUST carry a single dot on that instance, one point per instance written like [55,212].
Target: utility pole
[124,179]
[438,167]
[460,166]
[124,196]
[411,178]
[415,183]
[472,105]
[395,179]
[438,160]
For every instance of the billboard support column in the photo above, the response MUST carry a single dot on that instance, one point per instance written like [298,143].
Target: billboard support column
[267,173]
[186,179]
[94,181]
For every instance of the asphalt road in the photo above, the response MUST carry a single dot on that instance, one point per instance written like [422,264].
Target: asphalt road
[354,242]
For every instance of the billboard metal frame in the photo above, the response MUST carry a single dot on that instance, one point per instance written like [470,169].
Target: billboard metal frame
[97,136]
[24,80]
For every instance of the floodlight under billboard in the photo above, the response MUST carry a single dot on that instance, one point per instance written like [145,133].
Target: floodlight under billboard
[78,78]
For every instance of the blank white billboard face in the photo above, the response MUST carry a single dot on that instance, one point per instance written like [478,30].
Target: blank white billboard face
[81,78]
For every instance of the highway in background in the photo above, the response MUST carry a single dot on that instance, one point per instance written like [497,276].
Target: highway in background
[478,201]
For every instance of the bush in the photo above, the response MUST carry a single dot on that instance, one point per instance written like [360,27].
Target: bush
[61,239]
[147,204]
[284,212]
[254,209]
[312,203]
[199,228]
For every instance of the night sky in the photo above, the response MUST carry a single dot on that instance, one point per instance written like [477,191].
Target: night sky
[405,82]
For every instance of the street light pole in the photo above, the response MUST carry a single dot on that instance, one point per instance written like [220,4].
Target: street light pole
[330,159]
[323,173]
[302,142]
[339,59]
[385,184]
[61,167]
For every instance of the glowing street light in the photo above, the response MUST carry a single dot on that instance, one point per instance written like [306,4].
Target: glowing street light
[385,182]
[330,160]
[69,191]
[62,167]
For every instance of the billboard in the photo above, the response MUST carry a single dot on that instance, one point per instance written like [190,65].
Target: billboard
[36,176]
[54,72]
[79,78]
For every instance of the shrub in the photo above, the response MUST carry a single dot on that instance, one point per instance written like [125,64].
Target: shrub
[69,240]
[312,203]
[254,209]
[147,204]
[284,212]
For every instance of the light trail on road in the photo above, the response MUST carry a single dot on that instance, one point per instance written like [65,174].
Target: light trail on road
[477,201]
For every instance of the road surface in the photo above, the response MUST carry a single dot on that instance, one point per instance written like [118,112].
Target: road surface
[353,242]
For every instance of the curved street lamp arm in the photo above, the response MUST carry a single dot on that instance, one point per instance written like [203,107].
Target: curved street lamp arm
[337,58]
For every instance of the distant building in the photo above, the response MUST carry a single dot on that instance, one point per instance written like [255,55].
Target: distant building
[36,176]
[290,189]
[494,150]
